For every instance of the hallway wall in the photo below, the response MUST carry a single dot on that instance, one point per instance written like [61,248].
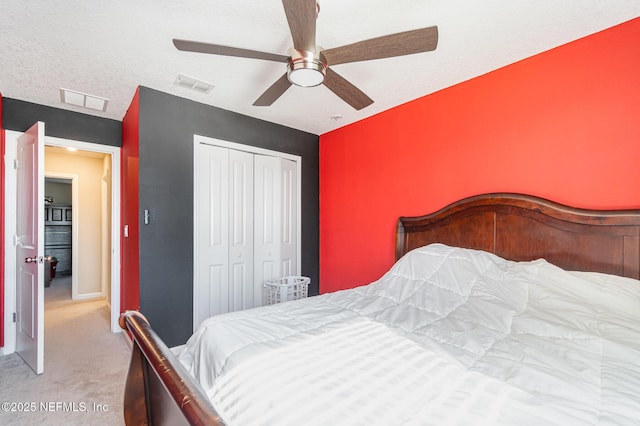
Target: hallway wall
[88,211]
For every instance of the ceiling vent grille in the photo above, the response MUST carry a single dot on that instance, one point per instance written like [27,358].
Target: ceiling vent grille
[193,83]
[84,100]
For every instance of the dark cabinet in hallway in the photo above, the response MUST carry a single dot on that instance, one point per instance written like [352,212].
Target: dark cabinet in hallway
[57,235]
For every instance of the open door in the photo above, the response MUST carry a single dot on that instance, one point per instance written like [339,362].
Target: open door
[30,247]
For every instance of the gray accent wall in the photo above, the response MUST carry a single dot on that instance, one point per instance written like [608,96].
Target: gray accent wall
[167,125]
[60,123]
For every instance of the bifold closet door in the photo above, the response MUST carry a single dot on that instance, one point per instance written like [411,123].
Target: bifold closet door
[224,232]
[211,183]
[275,225]
[245,227]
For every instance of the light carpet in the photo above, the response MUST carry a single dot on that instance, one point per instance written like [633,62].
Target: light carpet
[84,369]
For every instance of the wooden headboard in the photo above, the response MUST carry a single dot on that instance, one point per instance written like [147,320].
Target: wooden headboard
[521,227]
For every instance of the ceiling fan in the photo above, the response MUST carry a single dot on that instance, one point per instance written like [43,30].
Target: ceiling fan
[309,66]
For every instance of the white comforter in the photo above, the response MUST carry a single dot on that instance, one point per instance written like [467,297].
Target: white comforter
[447,336]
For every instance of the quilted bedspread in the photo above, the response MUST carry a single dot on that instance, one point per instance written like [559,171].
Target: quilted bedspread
[446,336]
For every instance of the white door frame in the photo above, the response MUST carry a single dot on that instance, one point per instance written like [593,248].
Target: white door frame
[10,222]
[199,139]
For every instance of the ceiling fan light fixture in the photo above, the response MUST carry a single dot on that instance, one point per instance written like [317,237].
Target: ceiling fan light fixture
[306,69]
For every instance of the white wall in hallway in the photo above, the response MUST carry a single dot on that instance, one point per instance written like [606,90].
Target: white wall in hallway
[87,211]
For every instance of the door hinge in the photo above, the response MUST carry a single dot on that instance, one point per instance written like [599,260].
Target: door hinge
[15,317]
[16,163]
[16,240]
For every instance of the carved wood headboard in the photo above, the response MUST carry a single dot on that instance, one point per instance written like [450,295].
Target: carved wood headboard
[521,227]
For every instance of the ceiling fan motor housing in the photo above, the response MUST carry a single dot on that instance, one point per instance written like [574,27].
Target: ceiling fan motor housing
[306,69]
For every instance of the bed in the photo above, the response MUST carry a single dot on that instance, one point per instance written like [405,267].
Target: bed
[501,309]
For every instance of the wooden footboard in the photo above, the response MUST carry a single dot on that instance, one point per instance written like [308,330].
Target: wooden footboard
[159,391]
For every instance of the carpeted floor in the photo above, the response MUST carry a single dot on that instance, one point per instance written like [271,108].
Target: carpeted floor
[84,369]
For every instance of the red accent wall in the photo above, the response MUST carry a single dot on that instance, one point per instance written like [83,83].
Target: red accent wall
[130,246]
[564,125]
[2,151]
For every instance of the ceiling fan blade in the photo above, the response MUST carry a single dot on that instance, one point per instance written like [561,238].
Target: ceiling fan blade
[217,49]
[274,92]
[405,43]
[301,16]
[346,91]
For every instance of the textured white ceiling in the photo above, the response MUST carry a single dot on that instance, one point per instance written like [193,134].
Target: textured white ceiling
[108,48]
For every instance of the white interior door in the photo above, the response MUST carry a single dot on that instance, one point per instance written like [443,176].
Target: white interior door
[30,247]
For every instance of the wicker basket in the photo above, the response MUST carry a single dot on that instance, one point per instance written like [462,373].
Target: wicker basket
[285,288]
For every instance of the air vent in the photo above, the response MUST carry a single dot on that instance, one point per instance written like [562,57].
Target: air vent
[84,100]
[193,83]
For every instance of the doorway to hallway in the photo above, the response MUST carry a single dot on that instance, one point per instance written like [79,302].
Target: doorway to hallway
[103,260]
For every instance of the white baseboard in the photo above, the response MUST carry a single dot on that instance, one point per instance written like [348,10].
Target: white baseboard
[88,296]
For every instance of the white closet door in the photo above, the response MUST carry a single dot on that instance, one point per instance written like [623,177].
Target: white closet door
[288,218]
[211,222]
[275,226]
[241,289]
[245,220]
